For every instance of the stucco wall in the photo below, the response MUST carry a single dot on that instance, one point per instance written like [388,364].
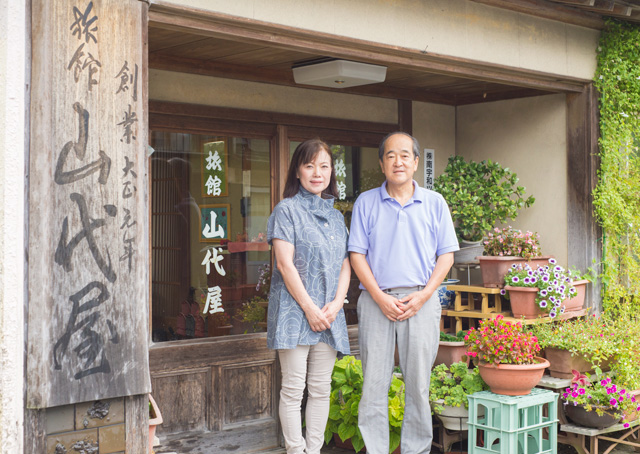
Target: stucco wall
[458,28]
[529,136]
[12,153]
[434,125]
[195,89]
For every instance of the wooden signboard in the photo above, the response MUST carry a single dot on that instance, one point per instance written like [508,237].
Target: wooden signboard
[88,203]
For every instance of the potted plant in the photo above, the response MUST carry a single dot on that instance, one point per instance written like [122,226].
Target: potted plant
[598,402]
[540,291]
[155,419]
[480,195]
[254,310]
[580,280]
[506,356]
[446,296]
[448,390]
[504,247]
[219,324]
[578,344]
[346,391]
[451,349]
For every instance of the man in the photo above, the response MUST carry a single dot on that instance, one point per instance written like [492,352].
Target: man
[397,232]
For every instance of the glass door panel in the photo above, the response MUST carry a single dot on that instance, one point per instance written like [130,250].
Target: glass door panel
[211,199]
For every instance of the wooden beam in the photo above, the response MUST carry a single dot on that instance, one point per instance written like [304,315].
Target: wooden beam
[547,10]
[405,116]
[576,2]
[228,27]
[260,117]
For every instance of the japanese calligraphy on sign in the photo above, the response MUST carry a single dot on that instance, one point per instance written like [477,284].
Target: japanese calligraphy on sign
[340,170]
[429,167]
[215,222]
[214,169]
[88,297]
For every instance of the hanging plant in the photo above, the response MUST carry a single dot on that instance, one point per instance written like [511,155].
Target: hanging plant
[617,195]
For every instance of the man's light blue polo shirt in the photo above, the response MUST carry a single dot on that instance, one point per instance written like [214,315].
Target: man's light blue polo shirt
[401,243]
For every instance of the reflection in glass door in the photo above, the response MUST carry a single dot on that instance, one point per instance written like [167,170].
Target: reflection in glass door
[210,199]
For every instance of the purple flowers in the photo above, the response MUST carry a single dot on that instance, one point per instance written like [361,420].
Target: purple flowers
[550,280]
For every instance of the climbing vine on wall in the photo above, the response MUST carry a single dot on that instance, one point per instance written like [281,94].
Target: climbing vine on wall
[617,195]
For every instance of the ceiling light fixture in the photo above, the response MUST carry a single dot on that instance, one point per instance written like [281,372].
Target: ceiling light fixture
[328,72]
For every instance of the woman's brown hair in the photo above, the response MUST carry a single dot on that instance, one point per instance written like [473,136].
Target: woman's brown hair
[305,153]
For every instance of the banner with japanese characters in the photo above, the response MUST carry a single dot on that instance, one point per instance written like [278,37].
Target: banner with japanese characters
[88,203]
[214,168]
[429,168]
[340,170]
[215,222]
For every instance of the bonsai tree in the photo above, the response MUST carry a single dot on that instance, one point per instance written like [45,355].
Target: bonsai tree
[453,384]
[480,195]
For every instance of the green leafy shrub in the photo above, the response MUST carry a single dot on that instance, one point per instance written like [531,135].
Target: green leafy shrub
[453,385]
[480,194]
[346,392]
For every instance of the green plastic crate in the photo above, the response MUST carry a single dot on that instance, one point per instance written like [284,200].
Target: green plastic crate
[513,424]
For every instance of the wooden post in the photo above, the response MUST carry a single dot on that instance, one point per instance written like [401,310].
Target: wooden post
[88,195]
[584,238]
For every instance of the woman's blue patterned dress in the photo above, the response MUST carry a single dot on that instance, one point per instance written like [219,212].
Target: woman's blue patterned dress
[319,236]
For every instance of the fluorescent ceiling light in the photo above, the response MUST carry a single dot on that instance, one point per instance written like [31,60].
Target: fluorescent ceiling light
[338,73]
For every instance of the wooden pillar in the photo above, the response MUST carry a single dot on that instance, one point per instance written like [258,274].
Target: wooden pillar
[405,116]
[584,234]
[88,200]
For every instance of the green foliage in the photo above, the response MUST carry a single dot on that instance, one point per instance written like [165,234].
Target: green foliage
[252,312]
[617,195]
[453,385]
[446,337]
[346,391]
[480,194]
[608,338]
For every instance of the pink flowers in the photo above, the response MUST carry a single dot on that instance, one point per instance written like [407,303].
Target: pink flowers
[500,342]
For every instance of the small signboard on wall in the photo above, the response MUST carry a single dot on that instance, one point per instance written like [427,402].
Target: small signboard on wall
[215,222]
[214,168]
[429,166]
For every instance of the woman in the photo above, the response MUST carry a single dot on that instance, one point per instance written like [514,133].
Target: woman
[306,323]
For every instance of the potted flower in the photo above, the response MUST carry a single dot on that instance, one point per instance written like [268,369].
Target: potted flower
[451,349]
[448,390]
[598,402]
[155,419]
[504,247]
[506,356]
[480,195]
[580,280]
[346,391]
[534,292]
[577,344]
[219,324]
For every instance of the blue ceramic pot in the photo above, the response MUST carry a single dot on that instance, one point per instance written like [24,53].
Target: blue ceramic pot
[447,296]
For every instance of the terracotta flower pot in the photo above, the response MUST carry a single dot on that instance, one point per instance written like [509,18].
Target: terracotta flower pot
[450,352]
[577,302]
[495,268]
[579,415]
[513,379]
[561,363]
[523,302]
[155,419]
